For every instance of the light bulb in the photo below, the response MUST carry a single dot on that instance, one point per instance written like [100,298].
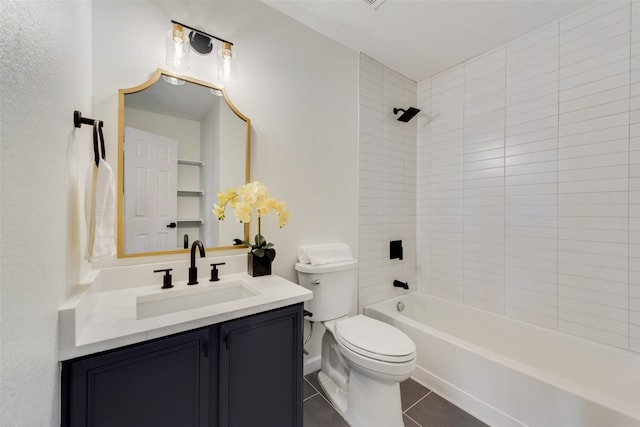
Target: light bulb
[226,67]
[177,48]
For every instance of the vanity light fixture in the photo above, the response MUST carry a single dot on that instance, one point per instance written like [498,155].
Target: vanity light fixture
[177,53]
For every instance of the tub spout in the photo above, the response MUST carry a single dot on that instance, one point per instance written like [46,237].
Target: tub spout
[399,284]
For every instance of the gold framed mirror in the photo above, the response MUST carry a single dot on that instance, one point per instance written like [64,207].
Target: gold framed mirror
[180,141]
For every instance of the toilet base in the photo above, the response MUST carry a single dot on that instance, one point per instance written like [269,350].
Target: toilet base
[366,402]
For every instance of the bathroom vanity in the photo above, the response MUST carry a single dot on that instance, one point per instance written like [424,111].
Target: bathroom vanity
[236,362]
[244,372]
[138,349]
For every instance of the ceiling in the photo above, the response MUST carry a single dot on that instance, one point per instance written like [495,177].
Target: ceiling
[419,38]
[187,100]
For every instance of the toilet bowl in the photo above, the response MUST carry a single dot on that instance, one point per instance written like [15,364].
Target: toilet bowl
[373,346]
[363,360]
[362,364]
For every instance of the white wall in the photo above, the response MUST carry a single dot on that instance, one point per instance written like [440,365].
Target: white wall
[298,88]
[567,253]
[387,186]
[46,75]
[528,178]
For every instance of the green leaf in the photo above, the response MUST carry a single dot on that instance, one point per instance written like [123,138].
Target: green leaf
[270,253]
[260,240]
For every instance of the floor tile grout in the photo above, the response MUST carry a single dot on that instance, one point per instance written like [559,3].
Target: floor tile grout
[417,423]
[313,395]
[418,408]
[414,404]
[404,413]
[417,401]
[323,396]
[311,385]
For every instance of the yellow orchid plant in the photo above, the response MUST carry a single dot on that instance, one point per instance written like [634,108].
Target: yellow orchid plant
[245,199]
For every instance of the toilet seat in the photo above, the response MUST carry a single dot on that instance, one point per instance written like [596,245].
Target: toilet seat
[375,339]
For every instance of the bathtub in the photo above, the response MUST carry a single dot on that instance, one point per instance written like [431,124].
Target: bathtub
[510,373]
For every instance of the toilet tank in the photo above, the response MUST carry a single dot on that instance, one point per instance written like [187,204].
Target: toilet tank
[333,286]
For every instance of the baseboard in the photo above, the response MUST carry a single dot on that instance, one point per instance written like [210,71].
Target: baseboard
[310,365]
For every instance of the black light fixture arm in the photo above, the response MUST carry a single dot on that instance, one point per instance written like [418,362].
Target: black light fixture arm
[202,32]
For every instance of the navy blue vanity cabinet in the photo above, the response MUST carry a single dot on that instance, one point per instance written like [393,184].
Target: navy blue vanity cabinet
[261,370]
[157,383]
[241,373]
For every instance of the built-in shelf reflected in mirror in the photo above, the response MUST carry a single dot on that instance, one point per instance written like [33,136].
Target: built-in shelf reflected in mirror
[181,141]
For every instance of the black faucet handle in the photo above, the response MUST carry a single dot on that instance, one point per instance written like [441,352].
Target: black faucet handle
[214,271]
[166,280]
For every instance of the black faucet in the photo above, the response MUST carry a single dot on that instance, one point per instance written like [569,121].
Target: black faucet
[399,284]
[193,270]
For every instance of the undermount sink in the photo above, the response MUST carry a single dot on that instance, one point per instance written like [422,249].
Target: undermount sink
[187,299]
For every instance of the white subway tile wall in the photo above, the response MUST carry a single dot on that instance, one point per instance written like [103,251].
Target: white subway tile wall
[528,169]
[593,174]
[423,188]
[484,181]
[634,180]
[387,183]
[531,197]
[531,207]
[443,159]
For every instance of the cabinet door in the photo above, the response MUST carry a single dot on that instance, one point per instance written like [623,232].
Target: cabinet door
[154,384]
[261,370]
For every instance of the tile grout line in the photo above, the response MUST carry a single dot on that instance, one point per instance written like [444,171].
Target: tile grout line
[404,412]
[417,423]
[312,396]
[323,397]
[417,401]
[311,385]
[333,407]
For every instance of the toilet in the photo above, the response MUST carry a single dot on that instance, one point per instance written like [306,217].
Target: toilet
[363,360]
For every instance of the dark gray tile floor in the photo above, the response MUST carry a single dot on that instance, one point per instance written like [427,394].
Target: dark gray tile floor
[421,408]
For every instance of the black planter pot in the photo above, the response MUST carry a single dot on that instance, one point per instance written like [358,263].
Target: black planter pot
[258,266]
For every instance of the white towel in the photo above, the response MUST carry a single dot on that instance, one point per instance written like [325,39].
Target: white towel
[100,206]
[324,253]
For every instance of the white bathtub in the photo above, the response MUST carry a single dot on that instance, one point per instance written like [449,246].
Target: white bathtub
[509,373]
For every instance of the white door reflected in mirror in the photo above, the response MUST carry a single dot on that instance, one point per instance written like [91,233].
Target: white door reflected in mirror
[150,182]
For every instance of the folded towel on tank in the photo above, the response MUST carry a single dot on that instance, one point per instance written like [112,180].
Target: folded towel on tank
[324,253]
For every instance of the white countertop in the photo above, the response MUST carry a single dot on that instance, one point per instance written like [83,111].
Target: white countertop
[100,318]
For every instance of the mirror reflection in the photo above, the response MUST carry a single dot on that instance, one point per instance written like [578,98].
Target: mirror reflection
[181,141]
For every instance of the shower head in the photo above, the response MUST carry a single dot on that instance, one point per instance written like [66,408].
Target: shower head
[406,114]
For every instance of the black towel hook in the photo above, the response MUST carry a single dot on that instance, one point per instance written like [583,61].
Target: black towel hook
[78,121]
